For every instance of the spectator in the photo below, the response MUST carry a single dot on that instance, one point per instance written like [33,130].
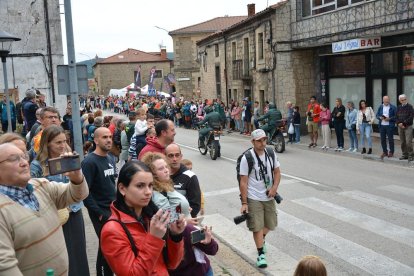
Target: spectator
[247,116]
[310,266]
[35,126]
[256,114]
[132,240]
[289,120]
[15,139]
[296,123]
[312,113]
[165,132]
[351,120]
[386,116]
[53,144]
[36,201]
[123,157]
[236,116]
[4,117]
[100,173]
[366,117]
[185,181]
[48,116]
[405,114]
[29,108]
[338,117]
[325,119]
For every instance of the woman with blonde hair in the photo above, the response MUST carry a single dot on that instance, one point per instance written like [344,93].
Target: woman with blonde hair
[52,145]
[310,266]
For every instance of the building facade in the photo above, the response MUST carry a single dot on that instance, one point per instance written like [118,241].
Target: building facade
[120,70]
[33,60]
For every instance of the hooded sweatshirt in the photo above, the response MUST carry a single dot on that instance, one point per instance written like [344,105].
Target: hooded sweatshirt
[152,146]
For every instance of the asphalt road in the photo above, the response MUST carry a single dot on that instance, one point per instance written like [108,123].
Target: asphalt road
[356,214]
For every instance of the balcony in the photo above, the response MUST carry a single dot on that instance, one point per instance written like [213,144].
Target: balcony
[241,72]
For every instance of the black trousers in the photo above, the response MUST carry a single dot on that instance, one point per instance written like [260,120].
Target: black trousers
[102,267]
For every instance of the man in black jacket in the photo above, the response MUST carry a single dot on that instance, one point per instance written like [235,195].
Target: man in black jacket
[185,181]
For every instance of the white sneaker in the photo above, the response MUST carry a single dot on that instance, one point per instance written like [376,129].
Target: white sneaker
[323,147]
[355,150]
[350,149]
[336,149]
[340,149]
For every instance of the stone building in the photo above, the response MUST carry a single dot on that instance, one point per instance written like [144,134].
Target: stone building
[120,70]
[186,58]
[353,49]
[33,60]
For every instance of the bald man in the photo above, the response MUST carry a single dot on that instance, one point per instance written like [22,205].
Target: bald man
[99,168]
[30,226]
[387,115]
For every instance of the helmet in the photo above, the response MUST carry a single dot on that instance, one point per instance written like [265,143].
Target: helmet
[272,106]
[208,109]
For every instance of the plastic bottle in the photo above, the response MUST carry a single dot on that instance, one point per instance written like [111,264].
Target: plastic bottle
[50,272]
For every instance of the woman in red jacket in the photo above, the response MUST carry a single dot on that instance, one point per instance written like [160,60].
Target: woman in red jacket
[132,239]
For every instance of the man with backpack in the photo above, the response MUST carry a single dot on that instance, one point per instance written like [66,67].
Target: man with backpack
[258,169]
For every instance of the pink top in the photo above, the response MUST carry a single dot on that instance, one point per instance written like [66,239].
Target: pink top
[325,117]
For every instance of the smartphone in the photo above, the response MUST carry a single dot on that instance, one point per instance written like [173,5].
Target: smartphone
[197,236]
[64,164]
[174,213]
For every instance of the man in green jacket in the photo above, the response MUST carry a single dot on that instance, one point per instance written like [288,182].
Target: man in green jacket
[212,119]
[272,116]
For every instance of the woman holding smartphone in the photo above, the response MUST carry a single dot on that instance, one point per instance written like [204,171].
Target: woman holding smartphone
[52,145]
[138,239]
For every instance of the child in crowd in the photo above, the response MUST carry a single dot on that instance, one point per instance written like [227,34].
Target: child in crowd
[189,165]
[310,266]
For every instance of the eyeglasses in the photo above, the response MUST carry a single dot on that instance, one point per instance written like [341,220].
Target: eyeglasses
[16,158]
[171,155]
[52,117]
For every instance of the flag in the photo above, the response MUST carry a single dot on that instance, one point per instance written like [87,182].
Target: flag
[151,79]
[138,78]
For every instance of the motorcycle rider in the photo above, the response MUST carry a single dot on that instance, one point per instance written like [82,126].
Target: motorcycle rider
[213,120]
[272,116]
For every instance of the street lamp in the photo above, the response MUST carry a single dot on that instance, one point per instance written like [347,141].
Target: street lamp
[161,28]
[6,40]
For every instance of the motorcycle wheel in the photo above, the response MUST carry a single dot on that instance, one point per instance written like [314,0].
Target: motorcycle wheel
[202,150]
[214,150]
[279,143]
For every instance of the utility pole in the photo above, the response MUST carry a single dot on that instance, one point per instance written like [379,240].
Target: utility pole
[73,80]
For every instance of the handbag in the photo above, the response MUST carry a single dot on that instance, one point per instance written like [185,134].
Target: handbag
[291,129]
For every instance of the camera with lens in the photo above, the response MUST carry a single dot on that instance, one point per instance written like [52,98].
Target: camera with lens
[277,197]
[241,218]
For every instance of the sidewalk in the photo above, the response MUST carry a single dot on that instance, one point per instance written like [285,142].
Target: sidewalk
[376,147]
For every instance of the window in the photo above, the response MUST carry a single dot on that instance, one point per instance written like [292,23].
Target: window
[216,48]
[158,74]
[233,51]
[313,7]
[384,63]
[408,88]
[348,89]
[246,57]
[347,65]
[408,61]
[260,49]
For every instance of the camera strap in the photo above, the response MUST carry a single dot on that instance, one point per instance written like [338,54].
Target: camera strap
[262,166]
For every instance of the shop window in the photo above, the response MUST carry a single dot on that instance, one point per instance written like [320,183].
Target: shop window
[348,89]
[408,88]
[408,61]
[384,63]
[347,65]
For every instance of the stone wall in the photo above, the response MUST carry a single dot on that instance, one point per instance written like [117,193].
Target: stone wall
[118,75]
[26,20]
[370,18]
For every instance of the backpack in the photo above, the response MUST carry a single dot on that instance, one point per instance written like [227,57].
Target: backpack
[250,160]
[129,130]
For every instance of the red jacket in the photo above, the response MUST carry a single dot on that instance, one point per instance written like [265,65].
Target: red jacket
[151,146]
[117,250]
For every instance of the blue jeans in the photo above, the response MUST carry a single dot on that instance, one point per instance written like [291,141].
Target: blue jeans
[353,140]
[387,131]
[365,130]
[297,133]
[209,272]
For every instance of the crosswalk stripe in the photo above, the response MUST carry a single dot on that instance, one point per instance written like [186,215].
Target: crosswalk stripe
[241,240]
[355,254]
[380,201]
[379,227]
[398,190]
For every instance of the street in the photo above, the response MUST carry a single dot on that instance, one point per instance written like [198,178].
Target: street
[356,214]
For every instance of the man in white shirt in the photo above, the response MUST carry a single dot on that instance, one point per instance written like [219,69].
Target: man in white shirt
[258,189]
[386,116]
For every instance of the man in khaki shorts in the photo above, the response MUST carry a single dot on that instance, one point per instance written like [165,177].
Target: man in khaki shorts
[258,189]
[312,114]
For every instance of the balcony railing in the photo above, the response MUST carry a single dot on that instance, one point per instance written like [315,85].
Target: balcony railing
[239,71]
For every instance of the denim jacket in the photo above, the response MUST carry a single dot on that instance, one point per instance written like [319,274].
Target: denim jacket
[393,114]
[351,118]
[37,172]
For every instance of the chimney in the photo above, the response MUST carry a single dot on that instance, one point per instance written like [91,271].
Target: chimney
[251,10]
[163,52]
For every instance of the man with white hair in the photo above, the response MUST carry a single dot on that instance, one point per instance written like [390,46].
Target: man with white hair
[405,114]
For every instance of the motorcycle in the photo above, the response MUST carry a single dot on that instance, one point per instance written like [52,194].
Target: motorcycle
[278,136]
[211,144]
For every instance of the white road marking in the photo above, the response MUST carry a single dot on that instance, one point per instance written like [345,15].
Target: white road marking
[353,253]
[241,239]
[283,174]
[377,226]
[380,201]
[398,190]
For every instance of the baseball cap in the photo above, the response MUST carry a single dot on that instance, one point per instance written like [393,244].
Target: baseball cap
[258,134]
